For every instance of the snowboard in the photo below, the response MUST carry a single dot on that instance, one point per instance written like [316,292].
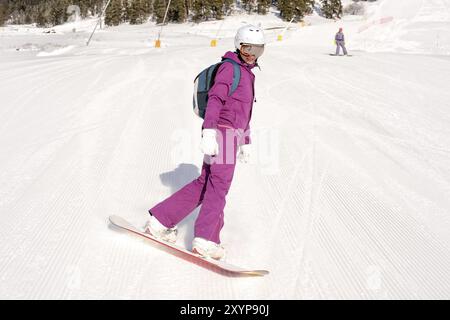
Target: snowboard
[340,55]
[212,264]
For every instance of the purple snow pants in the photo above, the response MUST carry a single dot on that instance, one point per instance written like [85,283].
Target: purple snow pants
[208,190]
[340,44]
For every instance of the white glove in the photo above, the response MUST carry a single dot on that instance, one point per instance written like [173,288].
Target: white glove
[244,153]
[209,145]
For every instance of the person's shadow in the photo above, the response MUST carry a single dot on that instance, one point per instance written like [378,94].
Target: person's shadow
[176,179]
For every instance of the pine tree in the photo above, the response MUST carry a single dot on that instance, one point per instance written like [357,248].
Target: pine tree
[133,12]
[58,12]
[200,10]
[89,7]
[41,19]
[294,9]
[159,9]
[248,5]
[331,8]
[4,10]
[52,12]
[227,6]
[113,14]
[177,11]
[217,8]
[124,10]
[262,6]
[48,12]
[147,8]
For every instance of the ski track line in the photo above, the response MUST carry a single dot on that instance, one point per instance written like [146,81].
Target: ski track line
[426,169]
[23,242]
[39,146]
[349,207]
[310,193]
[347,204]
[410,171]
[44,71]
[297,165]
[31,97]
[345,265]
[35,65]
[281,207]
[392,151]
[416,222]
[124,129]
[67,245]
[358,249]
[25,98]
[399,66]
[122,251]
[288,222]
[311,221]
[19,104]
[329,272]
[366,130]
[127,252]
[402,248]
[347,282]
[334,97]
[119,254]
[413,87]
[323,91]
[43,170]
[332,186]
[343,199]
[51,226]
[354,207]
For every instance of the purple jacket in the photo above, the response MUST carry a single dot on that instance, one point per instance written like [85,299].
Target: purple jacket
[236,110]
[339,36]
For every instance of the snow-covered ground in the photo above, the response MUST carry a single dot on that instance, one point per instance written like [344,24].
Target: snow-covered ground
[347,195]
[407,26]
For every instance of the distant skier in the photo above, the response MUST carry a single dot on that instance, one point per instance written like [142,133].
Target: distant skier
[226,116]
[340,42]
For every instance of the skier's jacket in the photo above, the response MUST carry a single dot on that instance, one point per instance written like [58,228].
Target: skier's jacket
[339,36]
[233,111]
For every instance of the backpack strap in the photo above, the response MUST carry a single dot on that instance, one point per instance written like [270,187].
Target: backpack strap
[236,74]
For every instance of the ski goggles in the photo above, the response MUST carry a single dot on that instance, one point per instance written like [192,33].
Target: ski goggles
[252,49]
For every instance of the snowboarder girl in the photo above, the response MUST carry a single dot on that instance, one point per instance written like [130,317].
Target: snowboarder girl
[226,116]
[340,42]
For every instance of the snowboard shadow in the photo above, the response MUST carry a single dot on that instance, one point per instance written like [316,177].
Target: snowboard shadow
[175,180]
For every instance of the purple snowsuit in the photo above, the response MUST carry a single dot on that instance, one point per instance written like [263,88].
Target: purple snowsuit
[230,116]
[340,43]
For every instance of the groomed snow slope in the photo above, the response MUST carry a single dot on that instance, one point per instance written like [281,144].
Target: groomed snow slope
[348,194]
[407,26]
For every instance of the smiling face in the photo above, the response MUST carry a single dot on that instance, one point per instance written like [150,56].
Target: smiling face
[251,52]
[248,58]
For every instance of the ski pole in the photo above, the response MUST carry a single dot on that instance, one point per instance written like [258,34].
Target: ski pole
[99,19]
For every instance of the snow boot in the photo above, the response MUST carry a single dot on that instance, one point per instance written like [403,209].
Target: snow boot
[156,229]
[208,249]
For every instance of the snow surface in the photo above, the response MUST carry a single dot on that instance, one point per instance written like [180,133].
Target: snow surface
[409,26]
[347,195]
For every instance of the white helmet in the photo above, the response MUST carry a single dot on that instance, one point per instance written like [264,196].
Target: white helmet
[249,34]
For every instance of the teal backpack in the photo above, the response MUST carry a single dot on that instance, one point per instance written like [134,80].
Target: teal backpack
[204,82]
